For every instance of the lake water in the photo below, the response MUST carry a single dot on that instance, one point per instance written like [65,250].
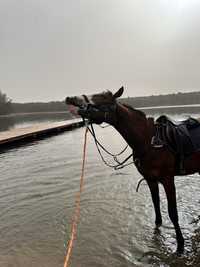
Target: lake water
[8,122]
[38,183]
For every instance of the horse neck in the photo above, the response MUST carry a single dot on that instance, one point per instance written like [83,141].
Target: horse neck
[134,128]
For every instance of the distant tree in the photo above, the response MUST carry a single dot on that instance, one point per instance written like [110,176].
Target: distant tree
[5,104]
[164,100]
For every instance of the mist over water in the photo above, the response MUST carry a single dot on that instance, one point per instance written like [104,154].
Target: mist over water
[38,183]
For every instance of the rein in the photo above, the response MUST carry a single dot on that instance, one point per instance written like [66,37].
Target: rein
[118,165]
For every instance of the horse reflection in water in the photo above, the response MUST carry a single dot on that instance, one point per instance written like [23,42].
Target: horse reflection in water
[155,165]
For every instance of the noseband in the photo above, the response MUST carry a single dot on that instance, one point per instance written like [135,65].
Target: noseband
[89,109]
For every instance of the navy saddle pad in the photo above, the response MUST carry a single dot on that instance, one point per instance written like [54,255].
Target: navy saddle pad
[183,137]
[195,137]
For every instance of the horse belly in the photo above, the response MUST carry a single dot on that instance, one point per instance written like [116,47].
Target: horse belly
[157,165]
[192,164]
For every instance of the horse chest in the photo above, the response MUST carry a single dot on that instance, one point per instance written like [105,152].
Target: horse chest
[141,165]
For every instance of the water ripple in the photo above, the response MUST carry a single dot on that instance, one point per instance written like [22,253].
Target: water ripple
[38,185]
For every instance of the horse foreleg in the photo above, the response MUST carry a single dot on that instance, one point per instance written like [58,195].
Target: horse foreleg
[153,186]
[170,190]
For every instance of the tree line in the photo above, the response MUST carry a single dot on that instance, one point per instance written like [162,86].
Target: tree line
[164,100]
[7,106]
[54,106]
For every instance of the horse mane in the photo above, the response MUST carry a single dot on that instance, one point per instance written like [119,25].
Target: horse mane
[141,113]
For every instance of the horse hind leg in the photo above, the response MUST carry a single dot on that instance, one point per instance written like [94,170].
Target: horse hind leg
[170,190]
[153,186]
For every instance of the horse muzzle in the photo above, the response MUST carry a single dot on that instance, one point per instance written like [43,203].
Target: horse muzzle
[75,101]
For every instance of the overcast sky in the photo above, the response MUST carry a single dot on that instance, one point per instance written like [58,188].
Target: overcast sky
[50,49]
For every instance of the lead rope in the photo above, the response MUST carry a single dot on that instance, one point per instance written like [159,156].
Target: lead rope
[76,215]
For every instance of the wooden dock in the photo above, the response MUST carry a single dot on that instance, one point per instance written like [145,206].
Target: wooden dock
[30,133]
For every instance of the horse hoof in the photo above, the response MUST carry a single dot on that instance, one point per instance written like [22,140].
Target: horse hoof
[158,224]
[180,250]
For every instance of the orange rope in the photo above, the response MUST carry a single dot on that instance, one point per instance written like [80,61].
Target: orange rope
[76,215]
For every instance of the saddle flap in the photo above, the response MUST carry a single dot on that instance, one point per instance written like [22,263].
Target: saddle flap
[178,136]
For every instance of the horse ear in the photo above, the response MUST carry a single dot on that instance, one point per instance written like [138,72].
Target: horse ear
[119,92]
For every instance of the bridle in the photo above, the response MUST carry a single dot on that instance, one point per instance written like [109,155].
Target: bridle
[88,109]
[106,109]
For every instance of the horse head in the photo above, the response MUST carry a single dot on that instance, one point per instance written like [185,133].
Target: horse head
[97,108]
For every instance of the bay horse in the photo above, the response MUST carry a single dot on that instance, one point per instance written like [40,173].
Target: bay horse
[155,165]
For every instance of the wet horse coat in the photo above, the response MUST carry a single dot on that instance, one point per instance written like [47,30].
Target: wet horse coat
[155,165]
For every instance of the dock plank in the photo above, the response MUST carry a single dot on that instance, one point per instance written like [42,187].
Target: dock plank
[34,131]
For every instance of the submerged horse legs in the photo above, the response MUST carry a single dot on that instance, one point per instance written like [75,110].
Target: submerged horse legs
[170,190]
[153,186]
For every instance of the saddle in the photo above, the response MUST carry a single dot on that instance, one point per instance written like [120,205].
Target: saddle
[181,137]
